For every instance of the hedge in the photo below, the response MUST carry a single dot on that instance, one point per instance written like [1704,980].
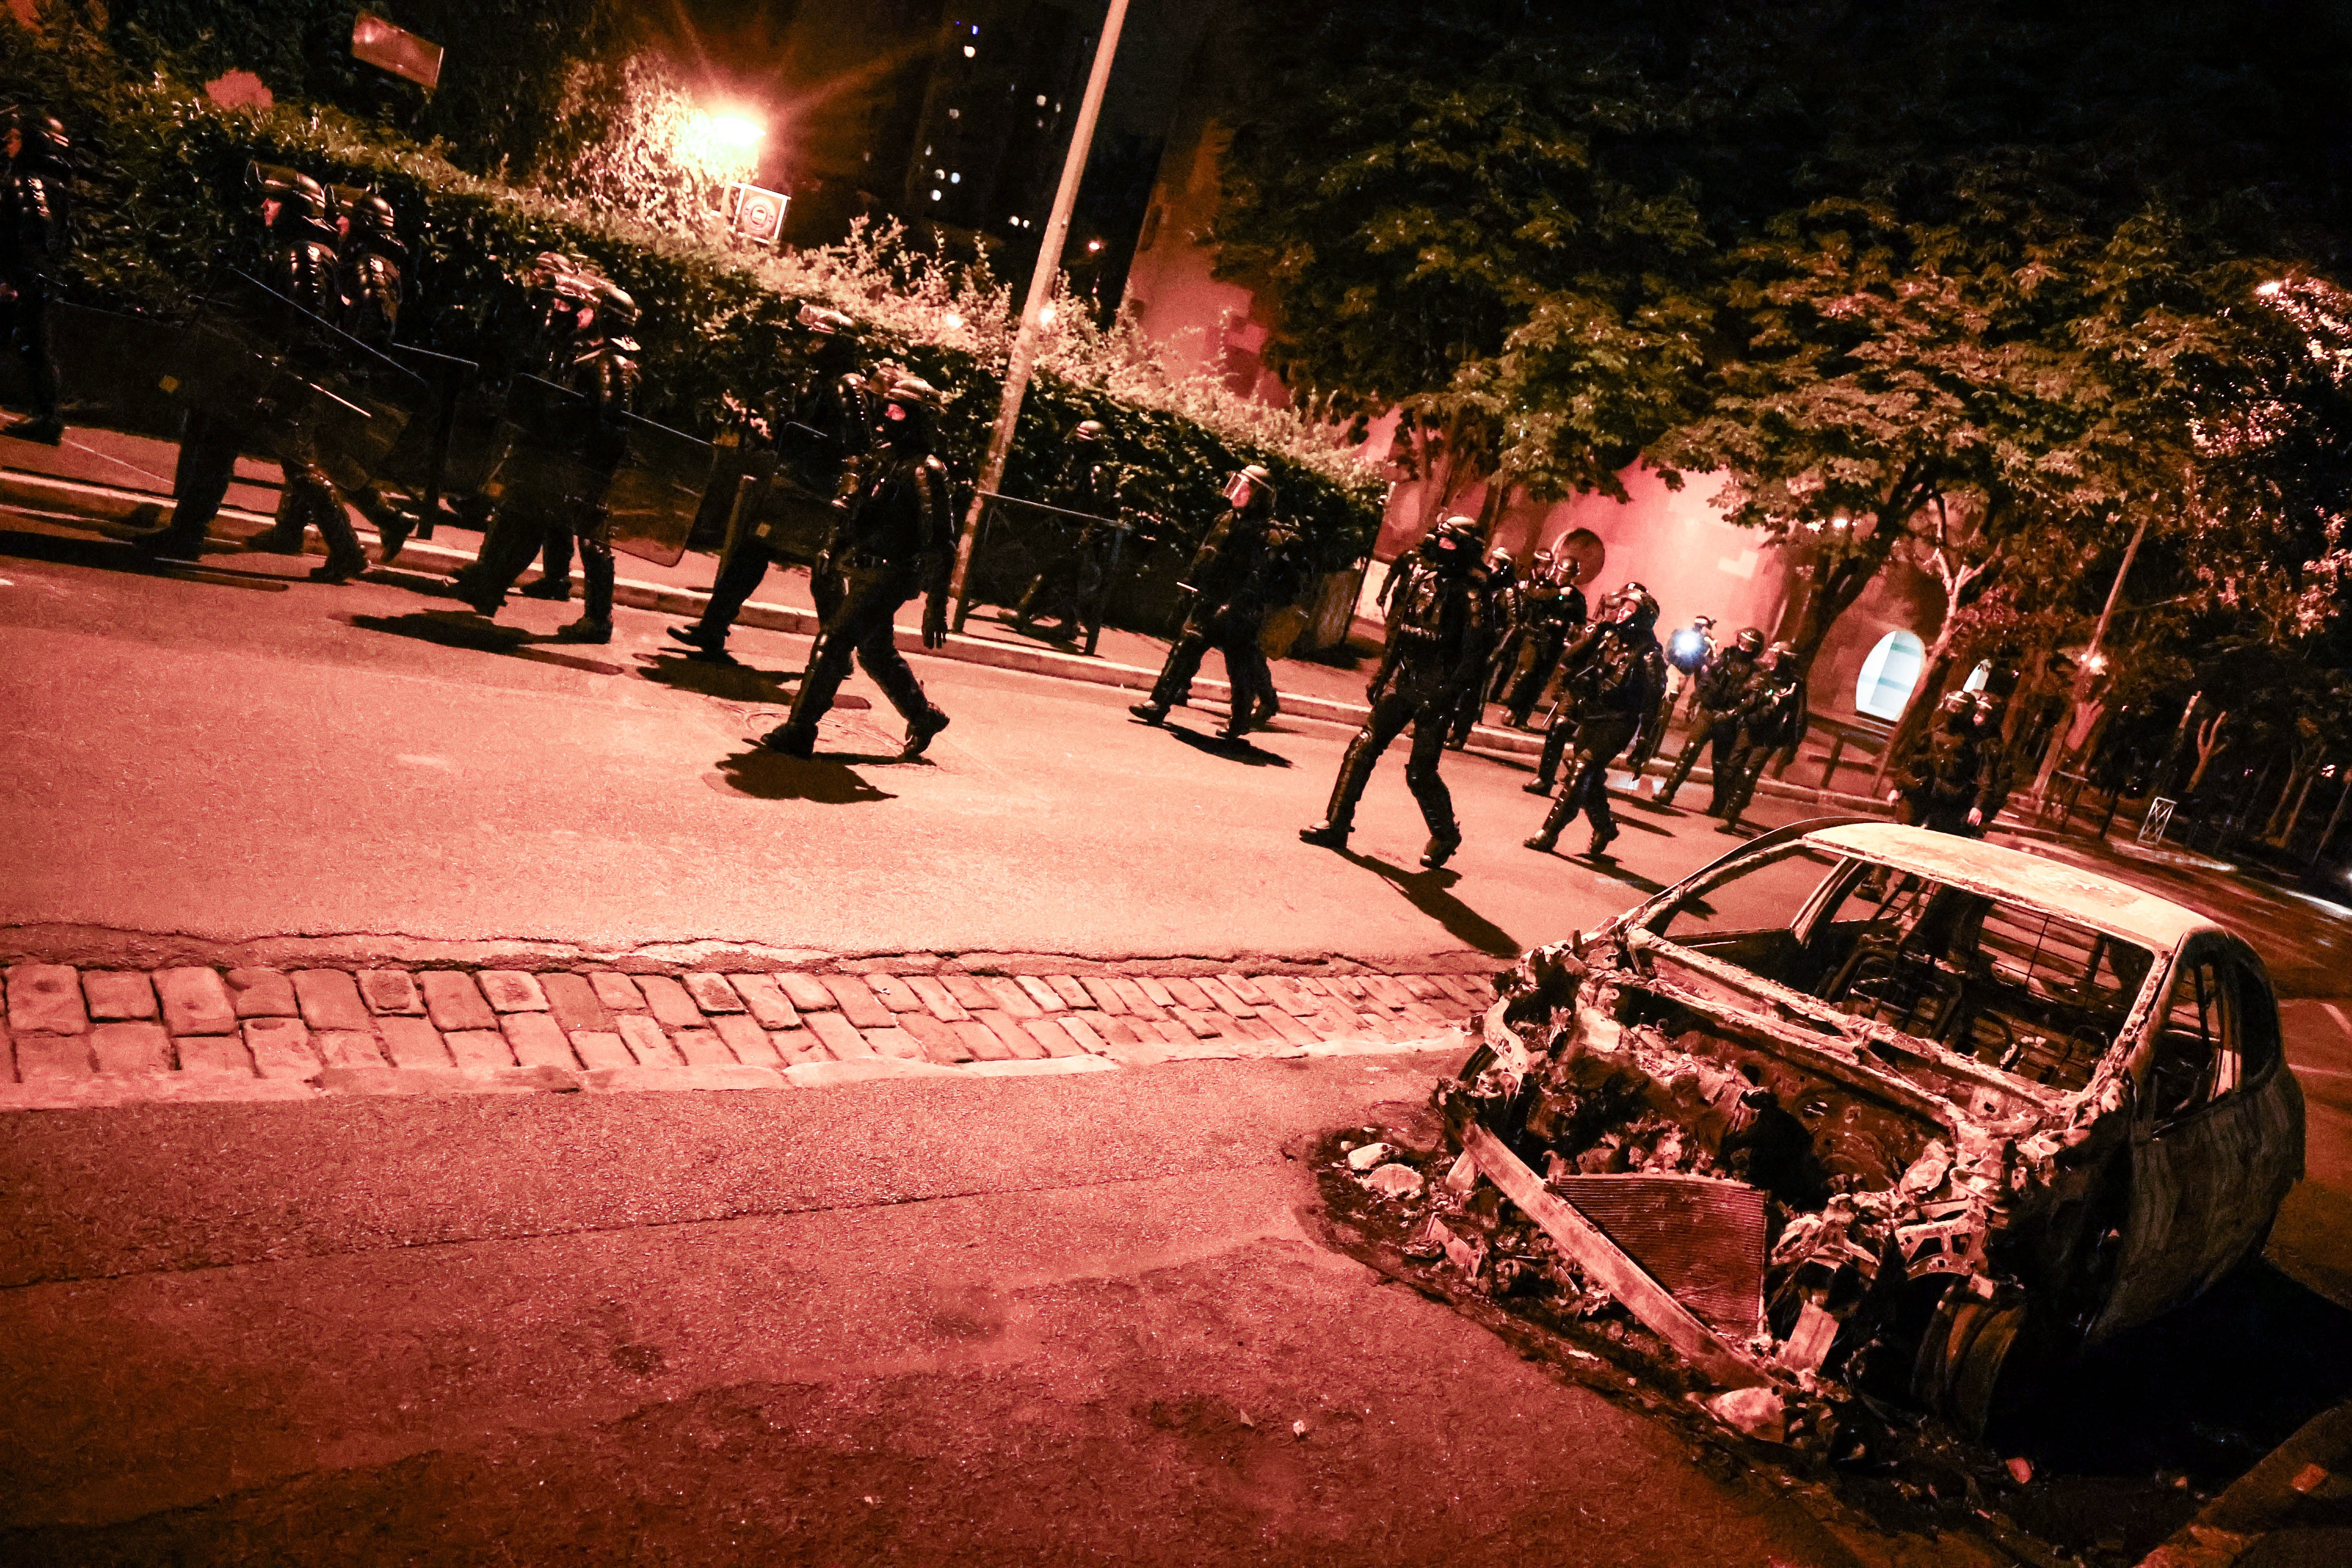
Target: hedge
[162,213]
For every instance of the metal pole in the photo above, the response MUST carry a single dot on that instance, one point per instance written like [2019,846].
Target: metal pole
[1041,291]
[2088,670]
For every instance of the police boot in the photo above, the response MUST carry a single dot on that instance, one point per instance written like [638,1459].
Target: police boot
[275,541]
[1441,847]
[555,590]
[920,730]
[1151,712]
[1602,836]
[48,430]
[791,743]
[339,569]
[707,645]
[587,628]
[1547,838]
[1327,835]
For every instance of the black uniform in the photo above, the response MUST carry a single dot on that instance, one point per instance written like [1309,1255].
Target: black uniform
[370,286]
[1227,576]
[1439,637]
[559,485]
[1951,774]
[300,261]
[1608,701]
[820,441]
[1281,578]
[1772,715]
[898,540]
[1715,700]
[34,236]
[1506,609]
[1554,613]
[1071,584]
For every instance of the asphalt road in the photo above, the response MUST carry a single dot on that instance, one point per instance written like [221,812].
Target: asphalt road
[246,753]
[1015,1322]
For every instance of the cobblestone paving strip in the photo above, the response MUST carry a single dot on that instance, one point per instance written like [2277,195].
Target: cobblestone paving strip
[110,1034]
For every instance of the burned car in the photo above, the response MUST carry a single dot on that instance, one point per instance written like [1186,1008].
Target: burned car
[1893,1107]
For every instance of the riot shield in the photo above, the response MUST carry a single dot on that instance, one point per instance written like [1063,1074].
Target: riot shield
[418,462]
[657,490]
[791,514]
[1044,564]
[111,369]
[537,441]
[257,358]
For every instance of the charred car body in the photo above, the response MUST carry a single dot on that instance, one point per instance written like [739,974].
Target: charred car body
[1993,1103]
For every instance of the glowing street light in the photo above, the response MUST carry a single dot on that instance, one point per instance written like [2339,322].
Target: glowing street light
[734,130]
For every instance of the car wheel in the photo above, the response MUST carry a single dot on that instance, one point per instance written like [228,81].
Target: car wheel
[1961,1372]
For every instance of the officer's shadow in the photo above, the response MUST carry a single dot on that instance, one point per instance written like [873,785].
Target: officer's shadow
[1231,749]
[1428,892]
[730,681]
[758,773]
[463,629]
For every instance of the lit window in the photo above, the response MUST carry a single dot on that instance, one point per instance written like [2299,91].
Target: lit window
[955,114]
[935,194]
[956,178]
[969,51]
[938,174]
[1041,100]
[1888,675]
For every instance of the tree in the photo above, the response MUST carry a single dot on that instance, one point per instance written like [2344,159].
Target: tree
[1454,210]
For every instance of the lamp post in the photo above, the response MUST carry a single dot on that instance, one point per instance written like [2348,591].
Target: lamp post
[1038,311]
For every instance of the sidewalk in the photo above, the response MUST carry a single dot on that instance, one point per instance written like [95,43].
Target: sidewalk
[2292,1509]
[79,1036]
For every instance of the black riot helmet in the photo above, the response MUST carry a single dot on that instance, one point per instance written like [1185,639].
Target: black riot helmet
[365,212]
[298,196]
[1957,708]
[36,143]
[910,411]
[1451,545]
[1750,641]
[1251,489]
[1780,657]
[1635,609]
[1089,431]
[1500,568]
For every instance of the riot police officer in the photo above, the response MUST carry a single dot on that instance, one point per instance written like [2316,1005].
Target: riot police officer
[1439,637]
[897,539]
[1772,717]
[1511,637]
[299,262]
[1281,577]
[592,445]
[369,285]
[821,437]
[1226,579]
[1554,608]
[1946,784]
[35,233]
[1504,605]
[1070,583]
[1715,699]
[1610,698]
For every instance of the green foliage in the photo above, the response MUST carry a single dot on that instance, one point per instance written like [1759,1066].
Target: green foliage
[1452,206]
[163,214]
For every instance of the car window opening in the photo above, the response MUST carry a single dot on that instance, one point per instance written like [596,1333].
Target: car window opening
[2012,987]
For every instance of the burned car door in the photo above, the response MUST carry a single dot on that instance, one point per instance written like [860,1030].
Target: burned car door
[2216,1134]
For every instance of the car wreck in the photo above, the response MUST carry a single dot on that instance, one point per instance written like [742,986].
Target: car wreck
[1895,1108]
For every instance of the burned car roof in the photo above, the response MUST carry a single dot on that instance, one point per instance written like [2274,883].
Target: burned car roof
[2099,903]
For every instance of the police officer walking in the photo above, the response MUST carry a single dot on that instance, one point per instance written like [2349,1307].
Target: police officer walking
[1506,602]
[300,261]
[1946,783]
[1072,581]
[1772,716]
[1439,636]
[1715,699]
[570,503]
[1554,608]
[35,233]
[1609,701]
[1226,578]
[824,437]
[898,540]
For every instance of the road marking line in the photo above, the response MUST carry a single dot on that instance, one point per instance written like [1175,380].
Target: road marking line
[2333,1011]
[2323,1072]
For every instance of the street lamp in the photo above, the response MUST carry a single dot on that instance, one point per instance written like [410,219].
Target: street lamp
[734,129]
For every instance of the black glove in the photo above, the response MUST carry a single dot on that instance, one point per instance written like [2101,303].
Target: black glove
[935,622]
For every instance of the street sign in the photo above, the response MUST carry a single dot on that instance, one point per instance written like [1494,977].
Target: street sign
[377,42]
[756,215]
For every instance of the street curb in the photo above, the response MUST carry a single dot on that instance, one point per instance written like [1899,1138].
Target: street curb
[65,499]
[2315,1464]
